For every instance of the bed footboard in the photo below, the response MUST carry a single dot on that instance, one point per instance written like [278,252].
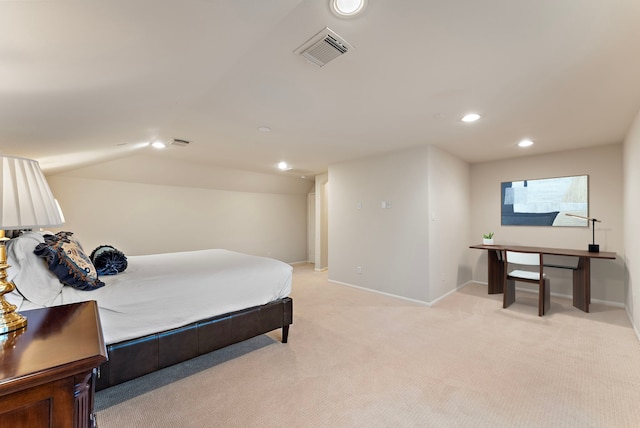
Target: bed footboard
[137,357]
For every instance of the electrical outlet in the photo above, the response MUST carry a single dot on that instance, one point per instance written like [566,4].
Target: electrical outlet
[359,269]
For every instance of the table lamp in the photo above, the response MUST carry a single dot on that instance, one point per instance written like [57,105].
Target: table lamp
[593,248]
[27,203]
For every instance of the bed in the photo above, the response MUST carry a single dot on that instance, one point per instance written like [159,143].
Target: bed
[165,308]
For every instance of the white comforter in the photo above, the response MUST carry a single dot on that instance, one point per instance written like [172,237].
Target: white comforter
[164,291]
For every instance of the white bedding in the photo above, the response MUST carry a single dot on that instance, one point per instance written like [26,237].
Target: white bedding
[164,291]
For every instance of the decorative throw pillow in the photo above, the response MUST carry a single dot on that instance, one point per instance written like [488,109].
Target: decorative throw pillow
[108,260]
[67,260]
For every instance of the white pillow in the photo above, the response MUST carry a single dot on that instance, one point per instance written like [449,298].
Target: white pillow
[30,273]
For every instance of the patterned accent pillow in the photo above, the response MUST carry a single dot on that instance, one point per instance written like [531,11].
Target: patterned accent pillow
[66,259]
[108,260]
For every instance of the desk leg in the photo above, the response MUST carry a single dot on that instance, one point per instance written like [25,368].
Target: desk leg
[495,277]
[582,284]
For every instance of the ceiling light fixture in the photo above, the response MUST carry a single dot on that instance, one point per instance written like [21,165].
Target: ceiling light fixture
[264,129]
[470,117]
[347,8]
[158,145]
[283,166]
[525,143]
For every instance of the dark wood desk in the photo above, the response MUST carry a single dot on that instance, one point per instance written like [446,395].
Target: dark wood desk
[581,273]
[46,369]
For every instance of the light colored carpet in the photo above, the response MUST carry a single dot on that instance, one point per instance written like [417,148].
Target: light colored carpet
[360,359]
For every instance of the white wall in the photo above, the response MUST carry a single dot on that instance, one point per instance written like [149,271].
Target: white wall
[449,208]
[151,169]
[322,222]
[631,222]
[392,246]
[604,166]
[142,218]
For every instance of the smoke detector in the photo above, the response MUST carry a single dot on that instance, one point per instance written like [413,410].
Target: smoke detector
[323,47]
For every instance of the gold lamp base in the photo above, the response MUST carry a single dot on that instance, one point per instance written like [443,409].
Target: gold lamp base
[10,320]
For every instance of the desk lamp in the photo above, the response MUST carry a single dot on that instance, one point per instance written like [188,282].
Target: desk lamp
[593,248]
[27,203]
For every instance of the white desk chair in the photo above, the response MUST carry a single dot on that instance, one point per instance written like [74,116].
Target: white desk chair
[530,276]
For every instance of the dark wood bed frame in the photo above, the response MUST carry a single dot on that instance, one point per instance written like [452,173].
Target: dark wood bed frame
[137,357]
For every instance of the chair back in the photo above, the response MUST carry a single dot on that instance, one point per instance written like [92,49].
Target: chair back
[531,276]
[529,259]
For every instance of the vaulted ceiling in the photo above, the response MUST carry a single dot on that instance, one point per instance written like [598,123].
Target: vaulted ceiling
[86,81]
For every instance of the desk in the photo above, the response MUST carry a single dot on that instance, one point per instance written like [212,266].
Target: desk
[47,368]
[581,274]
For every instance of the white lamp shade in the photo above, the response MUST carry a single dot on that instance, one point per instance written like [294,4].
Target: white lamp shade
[27,200]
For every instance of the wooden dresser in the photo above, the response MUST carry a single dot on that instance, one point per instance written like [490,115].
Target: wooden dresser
[47,369]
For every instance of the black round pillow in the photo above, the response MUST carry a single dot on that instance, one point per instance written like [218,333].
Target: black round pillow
[108,260]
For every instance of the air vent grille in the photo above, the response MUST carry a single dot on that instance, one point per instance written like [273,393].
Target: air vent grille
[323,47]
[178,142]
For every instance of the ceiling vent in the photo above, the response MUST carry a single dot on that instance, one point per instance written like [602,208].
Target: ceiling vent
[323,47]
[179,143]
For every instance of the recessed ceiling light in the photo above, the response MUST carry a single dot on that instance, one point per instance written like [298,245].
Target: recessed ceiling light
[158,145]
[470,117]
[347,8]
[264,129]
[525,143]
[283,166]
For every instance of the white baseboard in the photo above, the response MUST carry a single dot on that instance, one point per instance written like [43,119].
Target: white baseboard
[448,294]
[310,263]
[381,292]
[633,325]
